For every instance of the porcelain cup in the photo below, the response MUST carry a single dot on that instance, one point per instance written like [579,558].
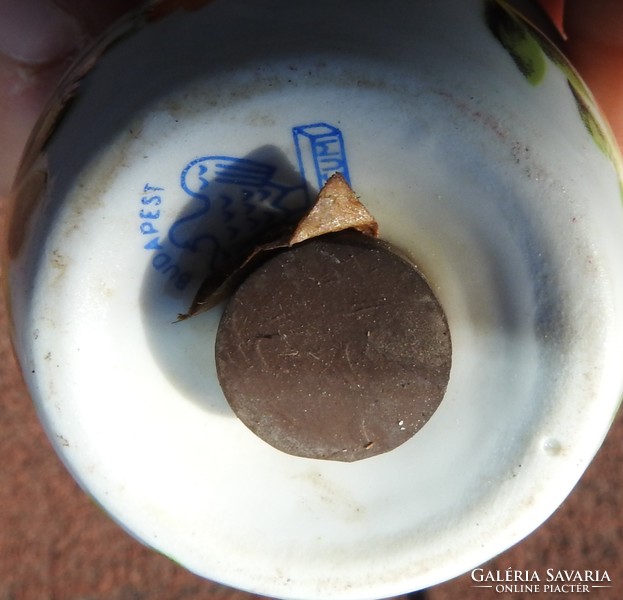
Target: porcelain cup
[184,132]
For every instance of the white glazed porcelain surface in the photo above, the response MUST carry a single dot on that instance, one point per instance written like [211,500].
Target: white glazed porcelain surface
[491,183]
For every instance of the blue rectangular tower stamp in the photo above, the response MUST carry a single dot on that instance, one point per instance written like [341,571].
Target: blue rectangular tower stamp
[320,151]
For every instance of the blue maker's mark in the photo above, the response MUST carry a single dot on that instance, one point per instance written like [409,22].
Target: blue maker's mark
[235,199]
[320,147]
[234,196]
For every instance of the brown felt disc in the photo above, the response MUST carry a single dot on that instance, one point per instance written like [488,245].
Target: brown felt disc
[334,349]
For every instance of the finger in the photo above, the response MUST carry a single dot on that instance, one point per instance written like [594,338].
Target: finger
[38,40]
[36,31]
[595,47]
[35,39]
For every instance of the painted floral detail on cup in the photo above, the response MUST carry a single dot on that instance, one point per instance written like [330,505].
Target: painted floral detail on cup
[530,48]
[511,31]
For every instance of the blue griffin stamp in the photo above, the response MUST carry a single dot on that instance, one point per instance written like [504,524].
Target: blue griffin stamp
[233,200]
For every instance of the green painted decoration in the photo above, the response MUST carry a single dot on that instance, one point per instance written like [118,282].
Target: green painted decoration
[530,49]
[517,40]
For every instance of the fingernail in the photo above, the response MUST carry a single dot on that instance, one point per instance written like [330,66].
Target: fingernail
[36,31]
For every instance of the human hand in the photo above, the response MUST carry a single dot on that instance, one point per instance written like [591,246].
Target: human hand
[38,41]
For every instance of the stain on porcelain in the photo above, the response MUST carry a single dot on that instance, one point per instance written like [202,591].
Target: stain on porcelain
[442,120]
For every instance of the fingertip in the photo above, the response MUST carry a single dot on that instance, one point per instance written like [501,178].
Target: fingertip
[37,32]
